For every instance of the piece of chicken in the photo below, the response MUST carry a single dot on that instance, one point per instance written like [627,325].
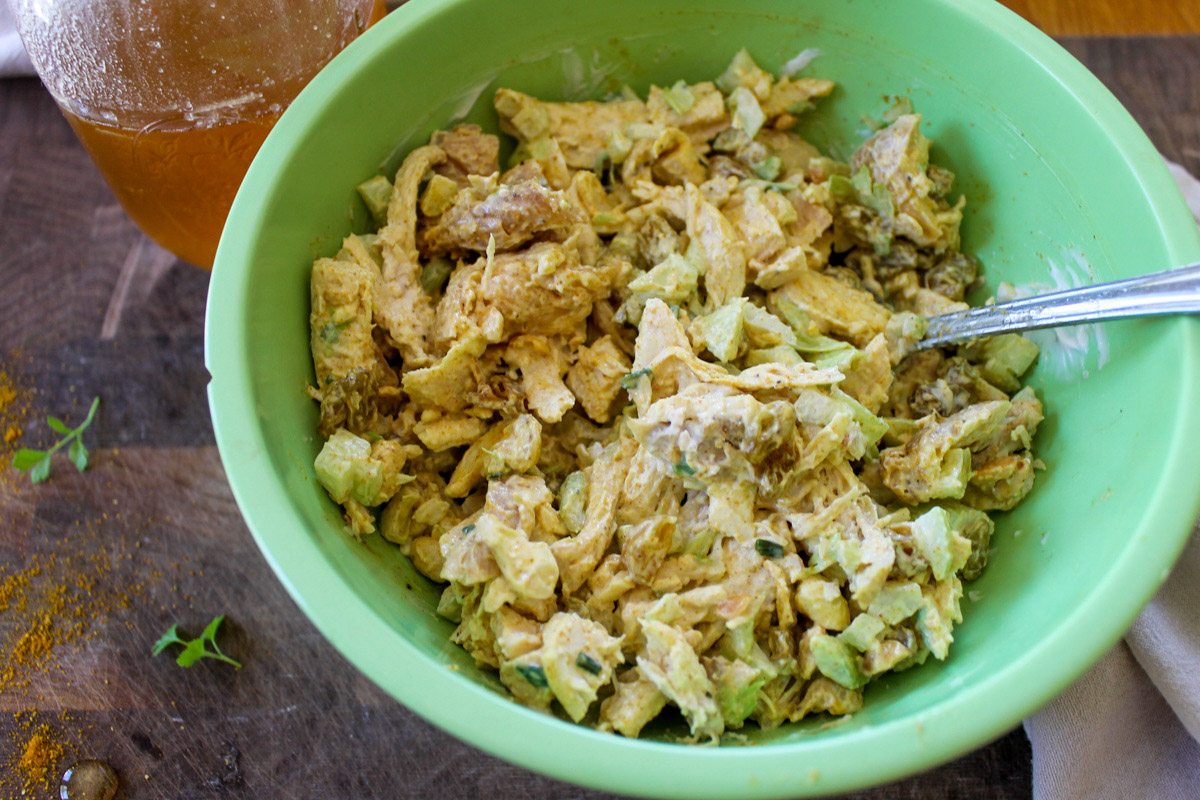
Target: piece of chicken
[402,307]
[505,219]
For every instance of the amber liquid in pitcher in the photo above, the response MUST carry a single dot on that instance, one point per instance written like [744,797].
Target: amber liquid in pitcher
[177,178]
[176,185]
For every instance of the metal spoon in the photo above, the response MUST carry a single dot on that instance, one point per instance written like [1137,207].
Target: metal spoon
[1176,291]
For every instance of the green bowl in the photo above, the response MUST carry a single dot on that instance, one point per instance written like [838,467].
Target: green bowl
[1062,187]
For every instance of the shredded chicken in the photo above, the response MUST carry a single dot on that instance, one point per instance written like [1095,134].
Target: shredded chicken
[667,441]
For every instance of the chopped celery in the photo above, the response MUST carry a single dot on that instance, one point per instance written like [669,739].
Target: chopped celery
[440,193]
[572,501]
[935,540]
[371,243]
[896,602]
[872,426]
[532,122]
[976,527]
[864,630]
[842,190]
[723,330]
[768,168]
[1003,359]
[673,281]
[742,71]
[737,684]
[900,430]
[679,97]
[376,194]
[351,468]
[764,329]
[701,543]
[747,113]
[618,147]
[822,350]
[859,189]
[435,274]
[873,195]
[450,605]
[954,472]
[837,661]
[780,354]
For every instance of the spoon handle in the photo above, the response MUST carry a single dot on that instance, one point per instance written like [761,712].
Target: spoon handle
[1175,291]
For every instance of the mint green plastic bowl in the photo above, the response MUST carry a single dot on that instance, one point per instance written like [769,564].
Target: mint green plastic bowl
[1061,184]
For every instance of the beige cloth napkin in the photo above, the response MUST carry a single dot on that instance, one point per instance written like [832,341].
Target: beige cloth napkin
[1129,729]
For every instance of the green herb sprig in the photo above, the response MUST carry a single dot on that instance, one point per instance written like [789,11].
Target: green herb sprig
[37,462]
[195,649]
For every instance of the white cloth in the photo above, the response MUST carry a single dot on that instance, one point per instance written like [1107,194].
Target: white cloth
[1129,729]
[1189,186]
[13,59]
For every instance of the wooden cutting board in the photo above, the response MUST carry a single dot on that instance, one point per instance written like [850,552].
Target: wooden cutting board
[88,308]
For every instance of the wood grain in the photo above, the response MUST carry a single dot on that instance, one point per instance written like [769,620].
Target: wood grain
[1109,17]
[1158,81]
[298,721]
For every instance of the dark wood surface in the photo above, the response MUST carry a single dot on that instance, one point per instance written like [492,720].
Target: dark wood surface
[89,307]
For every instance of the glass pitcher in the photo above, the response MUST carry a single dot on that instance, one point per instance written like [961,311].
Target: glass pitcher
[172,98]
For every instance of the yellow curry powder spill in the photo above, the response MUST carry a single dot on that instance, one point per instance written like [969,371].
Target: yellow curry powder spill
[50,604]
[55,601]
[14,405]
[37,755]
[42,754]
[50,607]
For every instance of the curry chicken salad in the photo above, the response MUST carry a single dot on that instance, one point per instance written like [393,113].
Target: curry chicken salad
[646,401]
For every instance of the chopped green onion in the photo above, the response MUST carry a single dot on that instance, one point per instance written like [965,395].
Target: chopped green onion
[588,664]
[534,674]
[682,469]
[768,548]
[331,331]
[631,380]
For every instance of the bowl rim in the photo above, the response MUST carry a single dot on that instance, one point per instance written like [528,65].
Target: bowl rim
[505,729]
